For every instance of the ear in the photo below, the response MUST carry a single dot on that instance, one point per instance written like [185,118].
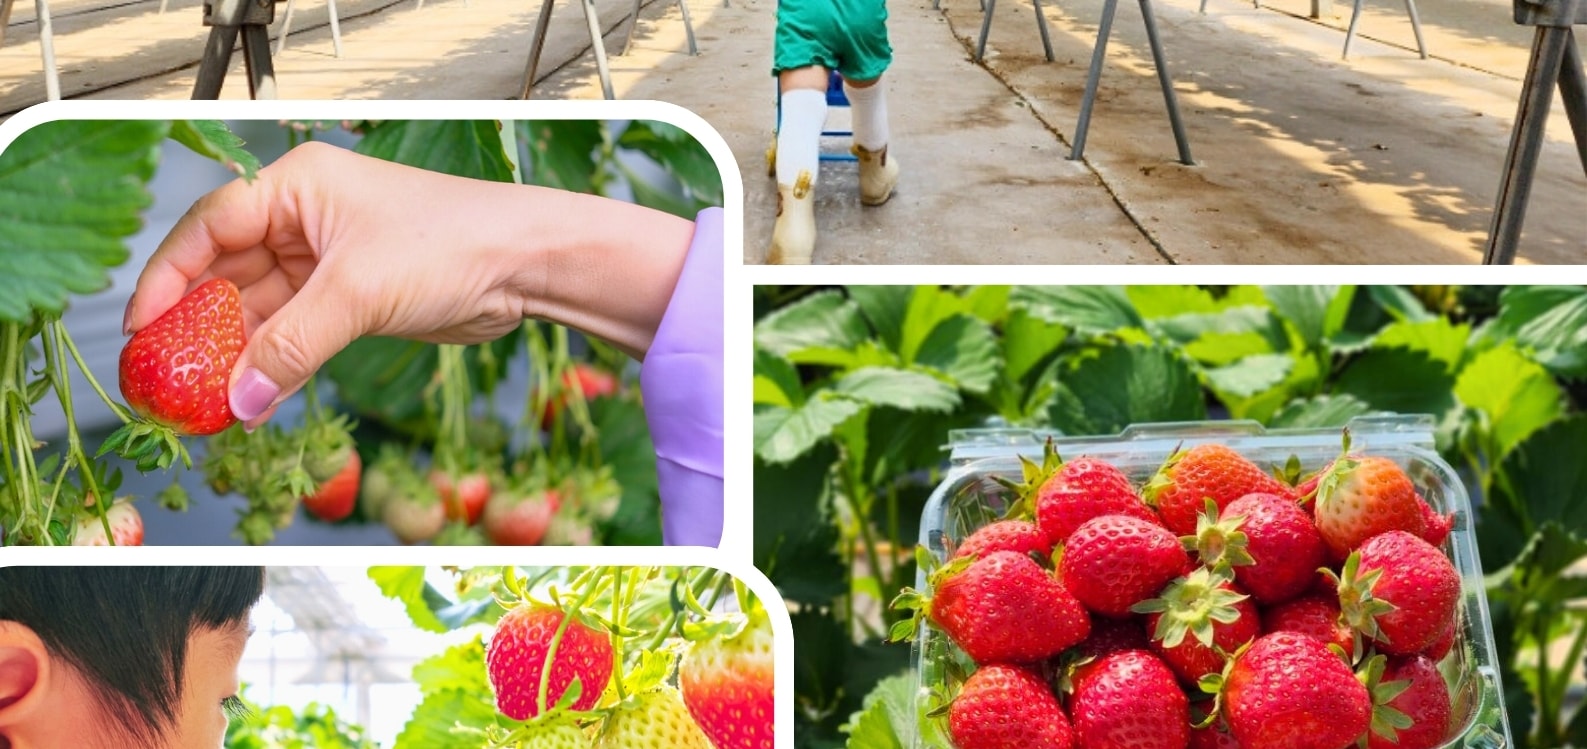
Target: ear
[24,673]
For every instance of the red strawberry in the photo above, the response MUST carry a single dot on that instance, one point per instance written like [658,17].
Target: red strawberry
[1424,701]
[1361,497]
[513,519]
[1440,648]
[464,498]
[1004,608]
[1006,706]
[727,684]
[1399,591]
[1212,737]
[1128,700]
[516,658]
[1284,547]
[1064,495]
[1315,615]
[1289,691]
[1199,619]
[1113,635]
[1114,562]
[595,383]
[1005,535]
[176,371]
[126,527]
[1190,477]
[339,494]
[1435,527]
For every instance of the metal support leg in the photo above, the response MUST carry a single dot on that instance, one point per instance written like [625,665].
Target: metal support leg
[1094,77]
[988,6]
[52,76]
[286,27]
[599,46]
[1573,89]
[336,29]
[1181,140]
[688,27]
[536,46]
[5,18]
[1350,36]
[1416,27]
[256,57]
[1041,25]
[1526,142]
[217,57]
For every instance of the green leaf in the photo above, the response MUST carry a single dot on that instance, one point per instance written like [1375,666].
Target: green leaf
[1317,312]
[1549,320]
[683,157]
[1028,341]
[899,388]
[1440,339]
[384,379]
[1399,380]
[1217,349]
[1319,412]
[1239,322]
[824,320]
[1544,479]
[562,152]
[1399,303]
[1123,385]
[1085,309]
[887,720]
[627,448]
[965,349]
[885,308]
[659,197]
[782,434]
[406,585]
[795,538]
[776,381]
[462,148]
[460,667]
[1251,375]
[929,307]
[212,139]
[1518,395]
[70,191]
[433,721]
[1153,302]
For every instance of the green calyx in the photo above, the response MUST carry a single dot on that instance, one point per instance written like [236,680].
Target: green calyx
[1358,607]
[1328,483]
[1033,477]
[1162,480]
[1192,605]
[1386,721]
[917,602]
[1219,544]
[149,445]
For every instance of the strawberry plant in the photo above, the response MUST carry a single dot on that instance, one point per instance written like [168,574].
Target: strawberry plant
[582,657]
[857,389]
[72,192]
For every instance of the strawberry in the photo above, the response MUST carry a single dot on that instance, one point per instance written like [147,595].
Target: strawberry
[516,658]
[463,496]
[1005,535]
[653,720]
[1063,495]
[554,734]
[380,479]
[1190,477]
[1112,635]
[126,527]
[727,685]
[1314,615]
[1280,541]
[594,383]
[1128,700]
[1422,698]
[512,519]
[1199,619]
[1212,737]
[338,494]
[1360,497]
[1290,691]
[1399,591]
[1115,561]
[568,530]
[176,371]
[1440,648]
[1000,608]
[1006,706]
[414,513]
[1435,527]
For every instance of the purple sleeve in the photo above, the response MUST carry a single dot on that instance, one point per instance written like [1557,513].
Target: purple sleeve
[681,381]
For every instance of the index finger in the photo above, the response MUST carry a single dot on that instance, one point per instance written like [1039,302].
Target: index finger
[232,218]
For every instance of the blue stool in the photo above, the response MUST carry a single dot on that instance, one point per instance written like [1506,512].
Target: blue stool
[835,99]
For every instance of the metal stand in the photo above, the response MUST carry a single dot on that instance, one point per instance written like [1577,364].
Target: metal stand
[1094,77]
[1555,59]
[537,45]
[988,6]
[52,75]
[229,19]
[286,28]
[688,27]
[1416,27]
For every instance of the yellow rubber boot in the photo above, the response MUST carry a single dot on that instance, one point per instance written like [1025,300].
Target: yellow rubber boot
[878,175]
[793,238]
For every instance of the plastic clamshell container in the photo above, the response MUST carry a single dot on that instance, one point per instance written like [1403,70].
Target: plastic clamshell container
[969,498]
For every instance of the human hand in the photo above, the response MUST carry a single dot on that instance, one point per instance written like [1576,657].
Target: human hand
[328,245]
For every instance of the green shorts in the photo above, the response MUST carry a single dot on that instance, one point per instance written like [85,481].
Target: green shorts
[847,35]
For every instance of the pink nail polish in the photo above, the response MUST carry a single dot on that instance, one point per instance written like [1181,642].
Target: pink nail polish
[253,394]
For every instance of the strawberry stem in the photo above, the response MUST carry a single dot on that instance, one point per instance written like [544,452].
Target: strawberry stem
[61,380]
[119,410]
[618,609]
[596,583]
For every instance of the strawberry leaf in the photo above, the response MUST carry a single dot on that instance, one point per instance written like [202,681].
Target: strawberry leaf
[655,667]
[887,716]
[212,139]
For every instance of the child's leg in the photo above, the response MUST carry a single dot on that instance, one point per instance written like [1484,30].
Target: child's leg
[804,113]
[868,104]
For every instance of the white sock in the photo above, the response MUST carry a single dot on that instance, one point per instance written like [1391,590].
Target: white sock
[804,113]
[869,109]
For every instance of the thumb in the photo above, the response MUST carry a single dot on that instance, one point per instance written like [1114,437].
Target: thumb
[287,349]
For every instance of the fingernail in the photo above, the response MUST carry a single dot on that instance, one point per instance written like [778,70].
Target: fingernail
[253,394]
[126,318]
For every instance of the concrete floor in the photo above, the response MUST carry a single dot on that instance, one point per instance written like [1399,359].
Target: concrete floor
[1301,157]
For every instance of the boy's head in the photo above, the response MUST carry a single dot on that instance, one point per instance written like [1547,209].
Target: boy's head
[124,657]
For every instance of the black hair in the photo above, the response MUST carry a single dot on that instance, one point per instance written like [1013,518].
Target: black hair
[126,629]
